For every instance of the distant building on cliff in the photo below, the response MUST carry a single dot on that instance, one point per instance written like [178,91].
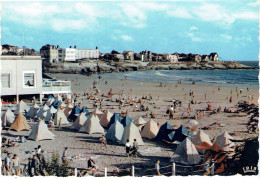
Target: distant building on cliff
[213,57]
[146,56]
[50,53]
[55,54]
[128,55]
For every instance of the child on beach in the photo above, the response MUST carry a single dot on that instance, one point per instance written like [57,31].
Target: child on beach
[103,141]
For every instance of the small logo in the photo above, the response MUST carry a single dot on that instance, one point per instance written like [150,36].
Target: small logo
[249,169]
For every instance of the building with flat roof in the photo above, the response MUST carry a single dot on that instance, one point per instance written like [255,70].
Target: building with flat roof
[22,76]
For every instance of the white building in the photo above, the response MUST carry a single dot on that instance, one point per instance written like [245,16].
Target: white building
[22,76]
[73,54]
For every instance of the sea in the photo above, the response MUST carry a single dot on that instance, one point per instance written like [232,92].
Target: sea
[231,78]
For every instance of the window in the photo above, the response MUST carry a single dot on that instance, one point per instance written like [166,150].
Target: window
[5,80]
[29,79]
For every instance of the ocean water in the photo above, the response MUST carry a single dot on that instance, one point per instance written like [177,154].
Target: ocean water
[232,78]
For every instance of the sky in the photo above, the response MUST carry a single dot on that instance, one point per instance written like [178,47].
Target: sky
[230,28]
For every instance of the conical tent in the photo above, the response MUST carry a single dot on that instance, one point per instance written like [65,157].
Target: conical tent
[150,130]
[40,131]
[74,113]
[49,101]
[180,134]
[140,122]
[84,110]
[164,132]
[132,132]
[199,138]
[187,152]
[115,132]
[113,119]
[56,104]
[53,110]
[21,107]
[104,121]
[45,107]
[126,121]
[50,96]
[36,106]
[20,123]
[44,114]
[98,113]
[223,141]
[31,112]
[81,119]
[7,118]
[92,126]
[58,115]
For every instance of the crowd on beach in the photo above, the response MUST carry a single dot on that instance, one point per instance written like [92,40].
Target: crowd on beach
[37,163]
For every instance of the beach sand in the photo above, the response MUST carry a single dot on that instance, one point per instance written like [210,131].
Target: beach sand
[88,145]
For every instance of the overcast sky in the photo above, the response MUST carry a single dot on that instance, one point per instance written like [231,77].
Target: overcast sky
[228,27]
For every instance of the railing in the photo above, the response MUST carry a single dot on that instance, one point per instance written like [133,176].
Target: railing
[56,86]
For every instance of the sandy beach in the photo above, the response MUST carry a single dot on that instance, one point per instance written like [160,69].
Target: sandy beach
[88,145]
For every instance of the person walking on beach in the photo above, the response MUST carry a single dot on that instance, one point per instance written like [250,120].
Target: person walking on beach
[60,125]
[15,165]
[157,167]
[35,165]
[127,147]
[103,140]
[8,163]
[135,148]
[230,99]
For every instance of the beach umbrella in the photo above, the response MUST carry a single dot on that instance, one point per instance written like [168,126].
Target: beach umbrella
[193,123]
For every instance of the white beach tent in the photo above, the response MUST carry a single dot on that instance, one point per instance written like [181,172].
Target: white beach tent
[104,121]
[132,132]
[36,106]
[7,118]
[98,113]
[49,102]
[53,110]
[21,107]
[92,126]
[223,141]
[115,132]
[199,138]
[81,119]
[40,131]
[140,122]
[150,130]
[60,114]
[186,153]
[45,107]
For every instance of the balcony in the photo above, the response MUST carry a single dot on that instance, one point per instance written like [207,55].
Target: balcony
[55,86]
